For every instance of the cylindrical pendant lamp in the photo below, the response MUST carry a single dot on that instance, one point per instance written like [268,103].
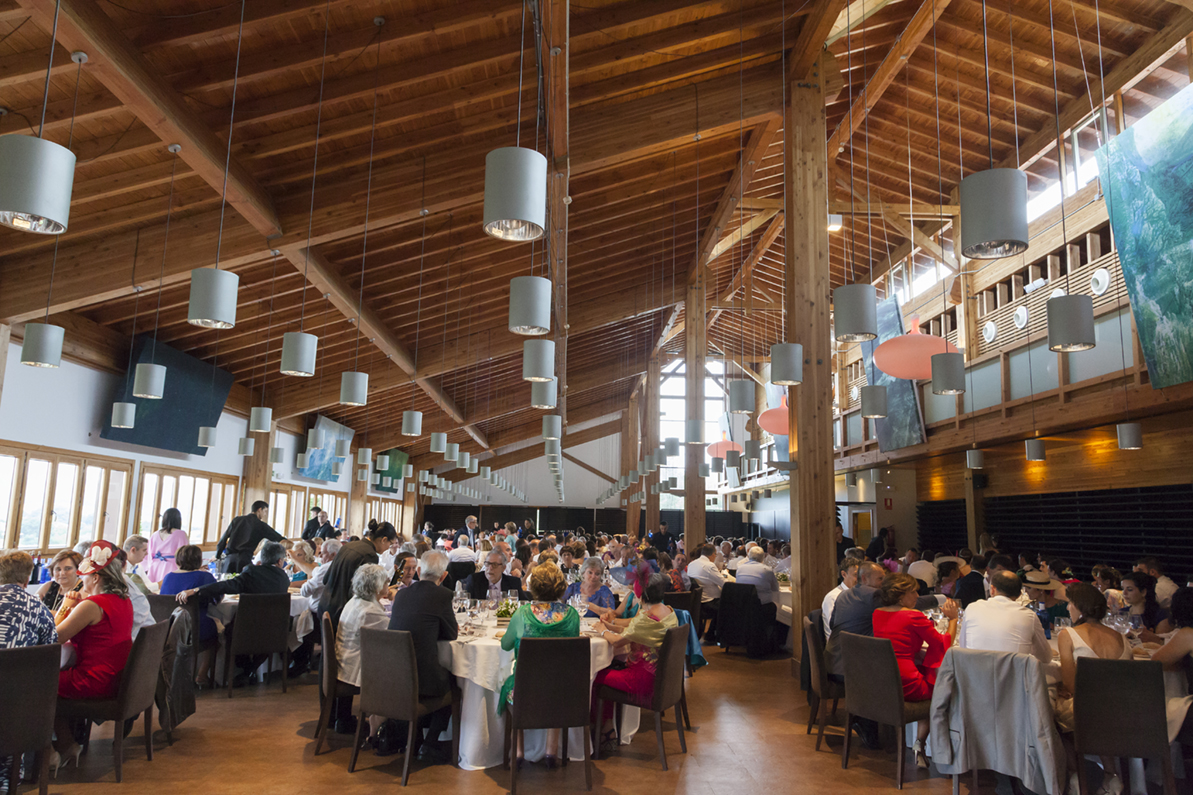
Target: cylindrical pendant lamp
[302,460]
[485,472]
[975,459]
[552,426]
[741,396]
[538,360]
[277,455]
[733,459]
[213,298]
[873,401]
[408,471]
[515,194]
[671,445]
[337,468]
[410,487]
[343,448]
[994,213]
[246,446]
[354,389]
[314,439]
[855,313]
[43,341]
[412,423]
[551,448]
[473,465]
[543,394]
[149,381]
[465,459]
[718,464]
[1070,323]
[207,436]
[124,415]
[298,353]
[876,475]
[948,373]
[438,442]
[693,432]
[652,461]
[702,470]
[36,180]
[786,364]
[382,462]
[634,476]
[1130,436]
[387,481]
[362,475]
[260,419]
[452,453]
[530,305]
[364,456]
[672,482]
[1035,450]
[751,449]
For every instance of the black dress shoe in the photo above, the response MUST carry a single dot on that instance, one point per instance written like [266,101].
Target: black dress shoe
[388,746]
[432,754]
[347,726]
[868,735]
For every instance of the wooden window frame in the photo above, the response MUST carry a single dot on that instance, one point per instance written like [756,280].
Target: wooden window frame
[179,472]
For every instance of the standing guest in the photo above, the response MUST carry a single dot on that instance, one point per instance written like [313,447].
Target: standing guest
[310,531]
[491,582]
[190,574]
[1042,589]
[1002,623]
[848,569]
[326,528]
[704,571]
[842,542]
[468,531]
[425,611]
[1139,594]
[1165,587]
[877,545]
[1108,580]
[164,544]
[24,620]
[598,597]
[910,631]
[389,556]
[136,549]
[660,539]
[527,527]
[243,535]
[353,555]
[64,569]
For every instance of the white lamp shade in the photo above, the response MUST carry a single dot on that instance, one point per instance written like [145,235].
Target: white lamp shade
[303,460]
[652,461]
[314,439]
[362,475]
[246,446]
[876,475]
[538,360]
[1035,450]
[693,432]
[732,459]
[408,471]
[277,455]
[438,442]
[530,305]
[552,426]
[452,453]
[751,449]
[375,478]
[343,448]
[672,483]
[543,394]
[873,401]
[364,456]
[382,462]
[387,481]
[337,468]
[354,389]
[975,459]
[36,180]
[1070,323]
[994,213]
[515,194]
[43,342]
[718,464]
[741,397]
[948,373]
[634,476]
[206,436]
[671,446]
[552,447]
[412,423]
[298,353]
[702,470]
[465,459]
[786,364]
[213,298]
[149,381]
[1130,436]
[260,419]
[485,472]
[124,415]
[855,313]
[473,465]
[410,487]
[423,476]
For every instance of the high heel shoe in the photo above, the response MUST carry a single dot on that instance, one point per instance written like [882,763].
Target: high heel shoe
[64,759]
[551,761]
[921,758]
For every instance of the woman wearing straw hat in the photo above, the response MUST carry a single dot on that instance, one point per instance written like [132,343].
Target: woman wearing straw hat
[1043,589]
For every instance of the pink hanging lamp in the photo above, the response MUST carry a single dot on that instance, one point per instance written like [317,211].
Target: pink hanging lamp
[718,449]
[776,421]
[909,356]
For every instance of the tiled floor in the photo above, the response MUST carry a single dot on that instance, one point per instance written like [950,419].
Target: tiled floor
[748,719]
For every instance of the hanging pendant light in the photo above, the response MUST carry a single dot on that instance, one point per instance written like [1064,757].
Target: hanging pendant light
[552,426]
[1130,436]
[465,459]
[364,456]
[438,442]
[741,396]
[1035,450]
[873,401]
[260,419]
[302,460]
[206,436]
[732,459]
[515,194]
[375,479]
[412,423]
[298,353]
[542,394]
[212,298]
[473,466]
[672,482]
[693,432]
[786,364]
[994,213]
[314,439]
[530,305]
[36,180]
[354,388]
[124,415]
[948,374]
[975,459]
[1070,323]
[751,449]
[410,487]
[246,446]
[337,468]
[702,470]
[452,453]
[408,471]
[343,448]
[277,455]
[387,482]
[855,313]
[671,446]
[538,360]
[42,346]
[652,461]
[876,475]
[634,476]
[382,462]
[362,475]
[718,464]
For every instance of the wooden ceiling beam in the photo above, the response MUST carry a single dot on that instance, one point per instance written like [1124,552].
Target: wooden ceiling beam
[531,452]
[556,46]
[813,34]
[854,15]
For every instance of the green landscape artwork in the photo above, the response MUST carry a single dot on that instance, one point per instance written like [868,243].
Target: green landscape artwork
[903,425]
[397,463]
[1147,178]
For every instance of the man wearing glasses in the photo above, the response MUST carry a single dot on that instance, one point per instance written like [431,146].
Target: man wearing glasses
[491,582]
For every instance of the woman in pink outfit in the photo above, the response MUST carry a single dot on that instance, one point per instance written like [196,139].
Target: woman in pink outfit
[164,545]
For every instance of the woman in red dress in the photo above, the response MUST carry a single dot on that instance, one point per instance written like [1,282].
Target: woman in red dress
[100,627]
[919,648]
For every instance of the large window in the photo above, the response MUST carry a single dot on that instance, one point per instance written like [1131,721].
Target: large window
[336,505]
[384,510]
[673,404]
[207,502]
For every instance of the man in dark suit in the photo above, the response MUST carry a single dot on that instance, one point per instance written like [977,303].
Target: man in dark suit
[311,530]
[424,609]
[243,535]
[492,582]
[661,539]
[326,529]
[469,529]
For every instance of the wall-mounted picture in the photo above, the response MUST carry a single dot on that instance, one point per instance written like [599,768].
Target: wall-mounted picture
[319,465]
[903,425]
[1147,179]
[397,463]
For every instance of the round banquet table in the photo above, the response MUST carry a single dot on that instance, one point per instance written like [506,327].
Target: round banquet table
[481,666]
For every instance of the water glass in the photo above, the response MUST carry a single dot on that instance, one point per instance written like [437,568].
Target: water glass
[1062,623]
[1136,622]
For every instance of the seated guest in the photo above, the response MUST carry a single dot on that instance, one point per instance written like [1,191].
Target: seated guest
[877,545]
[1174,656]
[363,611]
[190,574]
[405,572]
[968,585]
[784,562]
[643,636]
[1059,570]
[1043,590]
[1108,580]
[462,551]
[567,559]
[848,571]
[267,576]
[598,597]
[755,572]
[1004,563]
[64,569]
[1027,562]
[681,565]
[312,587]
[136,549]
[99,625]
[24,620]
[491,582]
[1165,587]
[425,611]
[910,631]
[353,555]
[1002,623]
[667,568]
[724,552]
[923,569]
[301,552]
[704,571]
[1139,594]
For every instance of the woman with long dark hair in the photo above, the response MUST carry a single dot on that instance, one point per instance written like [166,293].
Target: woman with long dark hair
[164,545]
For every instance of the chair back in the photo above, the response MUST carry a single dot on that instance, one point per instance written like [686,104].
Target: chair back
[738,617]
[1119,708]
[329,666]
[138,683]
[29,693]
[262,623]
[458,571]
[814,637]
[388,674]
[668,678]
[551,683]
[161,607]
[873,687]
[697,598]
[678,600]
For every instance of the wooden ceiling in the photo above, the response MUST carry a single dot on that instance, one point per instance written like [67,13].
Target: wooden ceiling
[661,121]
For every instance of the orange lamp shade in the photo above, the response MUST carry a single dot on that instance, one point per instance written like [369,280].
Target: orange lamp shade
[718,449]
[909,356]
[776,421]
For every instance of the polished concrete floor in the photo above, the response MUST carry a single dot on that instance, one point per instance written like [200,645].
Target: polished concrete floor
[748,721]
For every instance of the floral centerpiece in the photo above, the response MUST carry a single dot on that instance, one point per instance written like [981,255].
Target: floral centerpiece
[505,611]
[783,577]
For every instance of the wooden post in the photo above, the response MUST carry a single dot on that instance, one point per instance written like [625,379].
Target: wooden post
[258,471]
[653,376]
[695,349]
[5,337]
[813,505]
[974,516]
[357,501]
[629,461]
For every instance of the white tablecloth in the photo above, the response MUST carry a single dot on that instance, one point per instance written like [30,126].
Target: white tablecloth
[480,667]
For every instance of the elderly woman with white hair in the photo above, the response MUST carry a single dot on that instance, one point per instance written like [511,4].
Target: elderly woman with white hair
[363,611]
[596,596]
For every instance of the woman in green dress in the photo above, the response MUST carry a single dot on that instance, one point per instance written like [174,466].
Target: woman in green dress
[545,617]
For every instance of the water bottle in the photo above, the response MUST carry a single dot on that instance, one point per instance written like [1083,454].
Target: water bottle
[1046,620]
[45,571]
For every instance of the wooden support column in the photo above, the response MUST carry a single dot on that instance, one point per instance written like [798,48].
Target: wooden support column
[5,337]
[357,501]
[258,471]
[653,377]
[813,506]
[629,461]
[695,349]
[974,513]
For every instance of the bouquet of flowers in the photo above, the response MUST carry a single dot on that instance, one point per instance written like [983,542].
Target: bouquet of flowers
[505,611]
[783,577]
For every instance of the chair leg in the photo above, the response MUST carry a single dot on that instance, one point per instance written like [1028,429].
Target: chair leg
[813,711]
[509,730]
[229,666]
[361,721]
[563,747]
[683,746]
[409,750]
[848,737]
[587,765]
[683,702]
[149,732]
[956,784]
[324,720]
[597,725]
[515,735]
[823,723]
[118,748]
[1169,778]
[1082,784]
[658,730]
[285,665]
[835,700]
[900,757]
[43,772]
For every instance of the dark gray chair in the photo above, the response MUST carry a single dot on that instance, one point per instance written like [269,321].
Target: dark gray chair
[1119,711]
[28,691]
[161,607]
[331,687]
[823,688]
[261,626]
[551,691]
[138,685]
[874,690]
